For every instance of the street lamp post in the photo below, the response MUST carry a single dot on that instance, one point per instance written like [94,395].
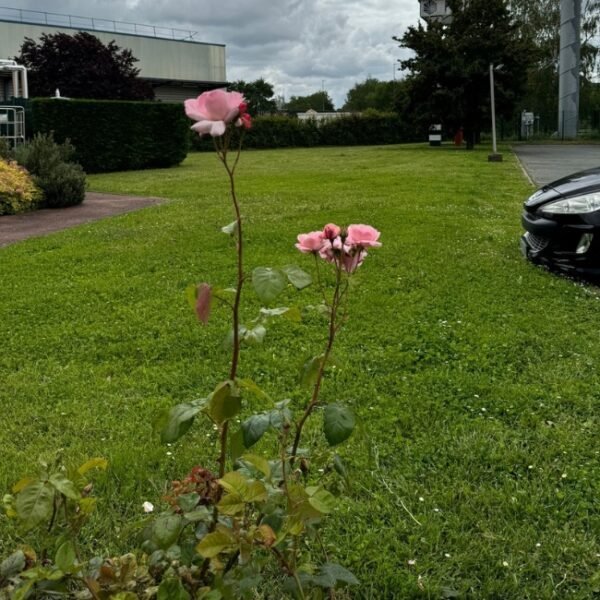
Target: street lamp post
[494,157]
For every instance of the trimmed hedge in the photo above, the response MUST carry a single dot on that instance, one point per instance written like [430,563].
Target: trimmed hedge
[116,135]
[355,130]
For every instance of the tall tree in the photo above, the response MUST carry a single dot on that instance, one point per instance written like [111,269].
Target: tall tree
[541,21]
[259,95]
[372,93]
[81,66]
[319,101]
[449,72]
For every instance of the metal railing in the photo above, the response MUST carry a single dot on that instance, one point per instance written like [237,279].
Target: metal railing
[12,124]
[36,17]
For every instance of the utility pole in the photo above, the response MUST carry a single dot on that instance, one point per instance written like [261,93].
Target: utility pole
[569,67]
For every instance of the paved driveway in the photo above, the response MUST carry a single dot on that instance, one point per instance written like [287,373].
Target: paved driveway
[546,163]
[14,228]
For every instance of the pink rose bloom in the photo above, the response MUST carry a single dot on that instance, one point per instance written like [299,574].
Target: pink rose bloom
[352,260]
[363,236]
[214,110]
[310,242]
[331,231]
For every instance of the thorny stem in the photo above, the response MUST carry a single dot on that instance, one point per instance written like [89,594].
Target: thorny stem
[317,388]
[319,282]
[290,571]
[221,148]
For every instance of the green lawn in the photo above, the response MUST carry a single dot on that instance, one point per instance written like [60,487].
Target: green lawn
[473,374]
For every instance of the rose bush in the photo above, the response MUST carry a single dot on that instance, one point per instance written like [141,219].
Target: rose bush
[252,519]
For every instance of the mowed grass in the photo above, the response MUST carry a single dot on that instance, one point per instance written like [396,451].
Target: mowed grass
[473,375]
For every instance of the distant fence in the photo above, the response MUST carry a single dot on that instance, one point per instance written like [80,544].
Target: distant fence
[37,17]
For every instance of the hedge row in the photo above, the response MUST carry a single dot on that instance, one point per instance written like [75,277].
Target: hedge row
[116,135]
[355,130]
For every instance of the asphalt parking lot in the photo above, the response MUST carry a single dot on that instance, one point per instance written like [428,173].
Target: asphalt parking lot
[546,163]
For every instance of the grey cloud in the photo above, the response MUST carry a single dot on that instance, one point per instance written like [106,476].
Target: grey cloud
[295,44]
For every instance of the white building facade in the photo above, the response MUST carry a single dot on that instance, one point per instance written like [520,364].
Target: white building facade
[176,65]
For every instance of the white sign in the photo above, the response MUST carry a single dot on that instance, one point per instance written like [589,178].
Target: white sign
[527,118]
[435,10]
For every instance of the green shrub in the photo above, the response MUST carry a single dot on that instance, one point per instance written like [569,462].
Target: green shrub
[61,181]
[116,135]
[18,192]
[63,186]
[5,150]
[371,128]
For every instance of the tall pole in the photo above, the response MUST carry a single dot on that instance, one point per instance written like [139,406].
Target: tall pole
[493,99]
[569,67]
[494,157]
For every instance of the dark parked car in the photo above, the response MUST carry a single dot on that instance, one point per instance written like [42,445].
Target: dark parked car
[562,224]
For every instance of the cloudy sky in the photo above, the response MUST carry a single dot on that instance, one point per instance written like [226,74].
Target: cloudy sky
[298,45]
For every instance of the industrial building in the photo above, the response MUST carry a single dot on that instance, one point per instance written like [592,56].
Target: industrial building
[177,65]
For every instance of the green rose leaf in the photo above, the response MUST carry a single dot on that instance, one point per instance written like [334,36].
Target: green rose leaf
[13,565]
[236,445]
[216,542]
[166,530]
[231,505]
[268,283]
[274,312]
[64,486]
[34,503]
[175,422]
[234,483]
[252,387]
[330,575]
[188,502]
[321,500]
[224,403]
[66,556]
[93,463]
[253,428]
[172,589]
[297,277]
[255,336]
[310,370]
[230,229]
[199,514]
[340,469]
[259,463]
[338,423]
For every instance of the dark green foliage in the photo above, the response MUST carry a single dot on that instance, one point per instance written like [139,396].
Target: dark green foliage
[81,66]
[61,181]
[372,128]
[319,101]
[5,151]
[258,95]
[374,94]
[63,186]
[540,21]
[116,136]
[449,70]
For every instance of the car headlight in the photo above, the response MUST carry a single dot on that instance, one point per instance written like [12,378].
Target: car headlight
[578,205]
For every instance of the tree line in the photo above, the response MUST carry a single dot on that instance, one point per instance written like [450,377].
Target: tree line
[444,80]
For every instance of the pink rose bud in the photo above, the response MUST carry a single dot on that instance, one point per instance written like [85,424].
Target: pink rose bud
[331,231]
[246,121]
[203,302]
[310,242]
[243,108]
[363,236]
